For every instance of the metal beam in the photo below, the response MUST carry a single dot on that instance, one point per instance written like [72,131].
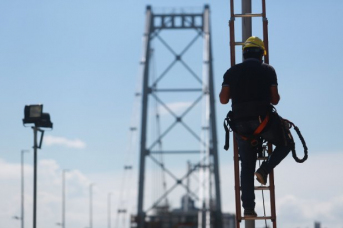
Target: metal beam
[175,152]
[144,119]
[177,21]
[214,144]
[178,90]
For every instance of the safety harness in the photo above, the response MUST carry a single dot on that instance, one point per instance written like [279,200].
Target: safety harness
[255,139]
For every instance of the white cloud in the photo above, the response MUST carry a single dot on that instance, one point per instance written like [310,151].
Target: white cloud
[53,140]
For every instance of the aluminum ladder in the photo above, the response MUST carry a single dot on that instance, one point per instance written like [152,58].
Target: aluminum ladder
[271,186]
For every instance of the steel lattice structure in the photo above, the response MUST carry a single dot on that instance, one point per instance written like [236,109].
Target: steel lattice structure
[208,164]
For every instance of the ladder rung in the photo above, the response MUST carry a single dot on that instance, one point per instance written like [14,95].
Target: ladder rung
[249,15]
[257,218]
[239,43]
[259,187]
[262,187]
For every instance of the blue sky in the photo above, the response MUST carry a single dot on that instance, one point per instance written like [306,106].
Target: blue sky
[81,60]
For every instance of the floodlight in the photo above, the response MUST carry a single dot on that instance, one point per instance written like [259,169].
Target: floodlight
[33,114]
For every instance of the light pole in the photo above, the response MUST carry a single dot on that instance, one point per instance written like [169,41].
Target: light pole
[63,198]
[22,187]
[33,114]
[246,33]
[91,205]
[109,209]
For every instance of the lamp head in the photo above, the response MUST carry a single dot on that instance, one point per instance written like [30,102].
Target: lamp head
[33,114]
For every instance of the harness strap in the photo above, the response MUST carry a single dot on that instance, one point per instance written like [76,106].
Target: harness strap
[227,134]
[258,130]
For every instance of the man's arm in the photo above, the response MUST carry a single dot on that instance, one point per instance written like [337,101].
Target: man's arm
[224,95]
[274,95]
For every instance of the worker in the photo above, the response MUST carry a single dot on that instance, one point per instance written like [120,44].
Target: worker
[252,86]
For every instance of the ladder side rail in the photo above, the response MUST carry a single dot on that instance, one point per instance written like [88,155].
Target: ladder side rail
[270,147]
[272,190]
[265,31]
[235,146]
[232,34]
[237,183]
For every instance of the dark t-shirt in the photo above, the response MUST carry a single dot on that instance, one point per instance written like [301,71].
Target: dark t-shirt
[250,83]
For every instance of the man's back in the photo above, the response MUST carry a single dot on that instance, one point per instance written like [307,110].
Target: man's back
[251,81]
[250,84]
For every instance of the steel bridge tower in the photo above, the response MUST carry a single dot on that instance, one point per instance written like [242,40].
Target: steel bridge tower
[210,214]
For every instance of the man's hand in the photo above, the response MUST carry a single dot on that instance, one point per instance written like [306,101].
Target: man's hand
[224,95]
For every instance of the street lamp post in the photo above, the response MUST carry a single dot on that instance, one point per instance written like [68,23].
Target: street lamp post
[109,209]
[22,187]
[35,147]
[33,114]
[63,198]
[91,205]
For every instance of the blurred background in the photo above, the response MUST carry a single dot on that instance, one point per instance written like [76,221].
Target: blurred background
[81,60]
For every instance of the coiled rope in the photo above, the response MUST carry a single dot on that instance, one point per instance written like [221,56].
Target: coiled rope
[294,154]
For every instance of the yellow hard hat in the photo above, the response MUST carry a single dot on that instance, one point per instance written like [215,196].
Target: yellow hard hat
[254,41]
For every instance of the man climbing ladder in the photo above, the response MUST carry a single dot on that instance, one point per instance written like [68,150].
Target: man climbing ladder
[252,86]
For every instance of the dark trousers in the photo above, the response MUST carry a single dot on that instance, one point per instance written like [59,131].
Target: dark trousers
[274,134]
